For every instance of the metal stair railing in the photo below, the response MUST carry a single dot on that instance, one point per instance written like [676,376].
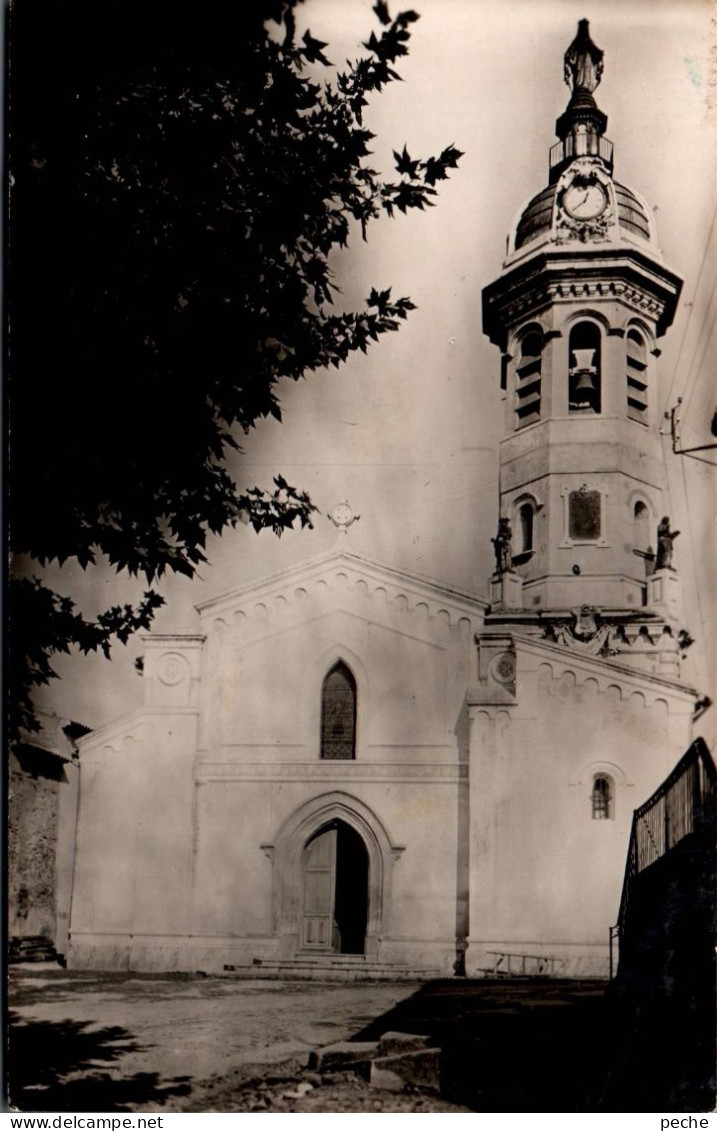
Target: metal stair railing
[682,805]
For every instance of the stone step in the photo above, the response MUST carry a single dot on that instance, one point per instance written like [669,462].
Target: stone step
[329,970]
[354,1055]
[32,948]
[359,960]
[393,1043]
[417,1069]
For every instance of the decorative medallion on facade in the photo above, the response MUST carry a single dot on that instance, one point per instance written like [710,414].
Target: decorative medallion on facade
[502,668]
[343,516]
[171,669]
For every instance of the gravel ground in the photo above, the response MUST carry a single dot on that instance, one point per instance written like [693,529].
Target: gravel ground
[289,1088]
[97,1042]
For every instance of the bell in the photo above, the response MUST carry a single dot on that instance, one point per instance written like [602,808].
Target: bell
[585,386]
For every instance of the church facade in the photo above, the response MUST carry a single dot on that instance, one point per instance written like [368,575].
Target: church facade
[355,770]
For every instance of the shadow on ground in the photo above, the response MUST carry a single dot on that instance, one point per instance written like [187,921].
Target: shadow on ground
[551,1045]
[66,1066]
[513,1046]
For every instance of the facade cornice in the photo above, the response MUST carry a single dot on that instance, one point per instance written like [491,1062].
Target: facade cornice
[353,567]
[599,664]
[102,736]
[623,274]
[166,639]
[443,772]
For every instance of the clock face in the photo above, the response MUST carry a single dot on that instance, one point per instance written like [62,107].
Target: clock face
[584,200]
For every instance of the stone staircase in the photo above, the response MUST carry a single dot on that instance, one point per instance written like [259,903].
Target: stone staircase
[31,948]
[330,968]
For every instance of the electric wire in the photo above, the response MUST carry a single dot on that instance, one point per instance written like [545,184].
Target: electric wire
[676,369]
[693,371]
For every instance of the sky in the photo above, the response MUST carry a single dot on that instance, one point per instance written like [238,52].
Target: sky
[409,434]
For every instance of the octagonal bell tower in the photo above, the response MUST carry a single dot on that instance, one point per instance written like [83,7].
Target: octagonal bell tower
[578,709]
[577,312]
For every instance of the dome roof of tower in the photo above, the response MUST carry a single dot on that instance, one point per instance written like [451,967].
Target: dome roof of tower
[633,214]
[537,217]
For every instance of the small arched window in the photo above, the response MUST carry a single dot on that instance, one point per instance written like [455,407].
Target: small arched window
[584,394]
[641,526]
[528,379]
[602,798]
[526,515]
[524,526]
[338,714]
[636,356]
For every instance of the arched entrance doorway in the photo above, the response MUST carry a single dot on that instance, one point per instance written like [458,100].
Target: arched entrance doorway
[315,816]
[335,874]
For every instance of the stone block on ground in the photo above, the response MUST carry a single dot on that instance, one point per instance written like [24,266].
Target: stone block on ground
[393,1042]
[332,1058]
[420,1069]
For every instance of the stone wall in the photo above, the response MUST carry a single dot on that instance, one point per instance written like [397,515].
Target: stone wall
[34,783]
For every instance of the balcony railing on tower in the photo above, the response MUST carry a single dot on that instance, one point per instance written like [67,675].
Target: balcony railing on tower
[566,150]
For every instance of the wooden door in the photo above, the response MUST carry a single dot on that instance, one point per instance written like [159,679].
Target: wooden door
[319,881]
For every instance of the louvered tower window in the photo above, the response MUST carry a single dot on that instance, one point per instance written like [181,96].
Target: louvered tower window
[528,379]
[338,714]
[636,377]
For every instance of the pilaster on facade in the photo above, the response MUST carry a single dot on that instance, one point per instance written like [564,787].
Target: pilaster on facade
[664,595]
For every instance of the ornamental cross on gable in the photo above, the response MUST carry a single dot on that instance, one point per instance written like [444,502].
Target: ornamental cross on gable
[583,61]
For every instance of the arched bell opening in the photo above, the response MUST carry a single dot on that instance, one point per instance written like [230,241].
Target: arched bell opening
[584,385]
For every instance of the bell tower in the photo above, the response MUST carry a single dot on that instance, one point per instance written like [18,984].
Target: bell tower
[577,710]
[577,313]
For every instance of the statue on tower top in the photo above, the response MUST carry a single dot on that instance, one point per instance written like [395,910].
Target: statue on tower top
[583,61]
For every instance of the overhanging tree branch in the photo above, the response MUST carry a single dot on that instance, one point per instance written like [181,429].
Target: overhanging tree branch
[179,186]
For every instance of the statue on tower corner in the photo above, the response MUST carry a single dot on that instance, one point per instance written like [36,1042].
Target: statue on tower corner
[665,547]
[583,61]
[502,544]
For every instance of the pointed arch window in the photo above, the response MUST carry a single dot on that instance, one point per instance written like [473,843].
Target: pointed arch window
[584,380]
[338,714]
[636,358]
[602,798]
[528,379]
